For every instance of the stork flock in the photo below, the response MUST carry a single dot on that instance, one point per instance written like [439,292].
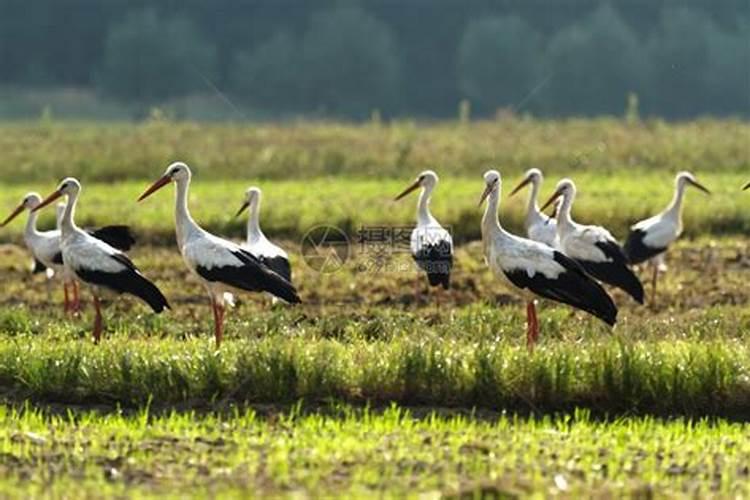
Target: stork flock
[559,260]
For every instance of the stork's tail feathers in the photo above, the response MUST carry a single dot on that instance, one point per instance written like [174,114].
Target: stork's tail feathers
[148,292]
[117,236]
[620,276]
[282,289]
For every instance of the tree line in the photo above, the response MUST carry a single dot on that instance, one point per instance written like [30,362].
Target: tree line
[345,59]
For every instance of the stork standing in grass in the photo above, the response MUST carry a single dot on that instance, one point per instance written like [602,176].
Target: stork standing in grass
[222,266]
[257,244]
[431,245]
[532,269]
[539,226]
[593,247]
[104,268]
[649,239]
[45,246]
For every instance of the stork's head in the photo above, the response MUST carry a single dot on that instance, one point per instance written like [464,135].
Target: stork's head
[67,187]
[176,172]
[252,198]
[687,178]
[566,188]
[492,182]
[427,179]
[532,176]
[29,202]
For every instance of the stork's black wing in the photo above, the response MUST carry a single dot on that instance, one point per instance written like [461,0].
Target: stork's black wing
[117,236]
[572,286]
[636,250]
[130,280]
[252,275]
[280,265]
[39,267]
[437,261]
[615,270]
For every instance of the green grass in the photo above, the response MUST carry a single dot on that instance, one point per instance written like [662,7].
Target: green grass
[310,400]
[475,357]
[344,452]
[46,150]
[290,208]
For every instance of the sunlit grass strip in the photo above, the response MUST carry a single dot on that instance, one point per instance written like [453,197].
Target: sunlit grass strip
[674,377]
[614,199]
[351,452]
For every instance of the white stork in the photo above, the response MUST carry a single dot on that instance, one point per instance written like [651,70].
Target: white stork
[649,238]
[222,266]
[539,226]
[533,269]
[593,247]
[96,263]
[45,246]
[431,245]
[257,244]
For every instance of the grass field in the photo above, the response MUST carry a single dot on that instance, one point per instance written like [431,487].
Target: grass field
[364,390]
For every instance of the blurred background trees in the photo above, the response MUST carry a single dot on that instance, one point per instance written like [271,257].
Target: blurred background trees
[346,59]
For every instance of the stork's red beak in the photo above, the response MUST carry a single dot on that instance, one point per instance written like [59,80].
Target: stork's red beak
[520,186]
[408,190]
[701,186]
[12,216]
[552,199]
[160,183]
[242,208]
[49,199]
[486,192]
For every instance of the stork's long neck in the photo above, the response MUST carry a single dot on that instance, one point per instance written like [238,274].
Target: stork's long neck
[532,211]
[184,223]
[253,222]
[491,228]
[675,206]
[564,219]
[424,217]
[67,224]
[30,230]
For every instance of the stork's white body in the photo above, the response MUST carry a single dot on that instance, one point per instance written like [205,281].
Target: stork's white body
[96,263]
[532,269]
[256,242]
[220,265]
[44,246]
[506,253]
[593,247]
[539,226]
[431,245]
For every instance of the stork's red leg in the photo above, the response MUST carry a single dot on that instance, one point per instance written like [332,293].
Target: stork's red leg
[220,330]
[532,327]
[97,321]
[76,297]
[67,300]
[218,321]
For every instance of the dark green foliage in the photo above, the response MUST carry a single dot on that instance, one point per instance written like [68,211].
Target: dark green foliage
[269,76]
[332,58]
[349,63]
[148,58]
[594,64]
[499,62]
